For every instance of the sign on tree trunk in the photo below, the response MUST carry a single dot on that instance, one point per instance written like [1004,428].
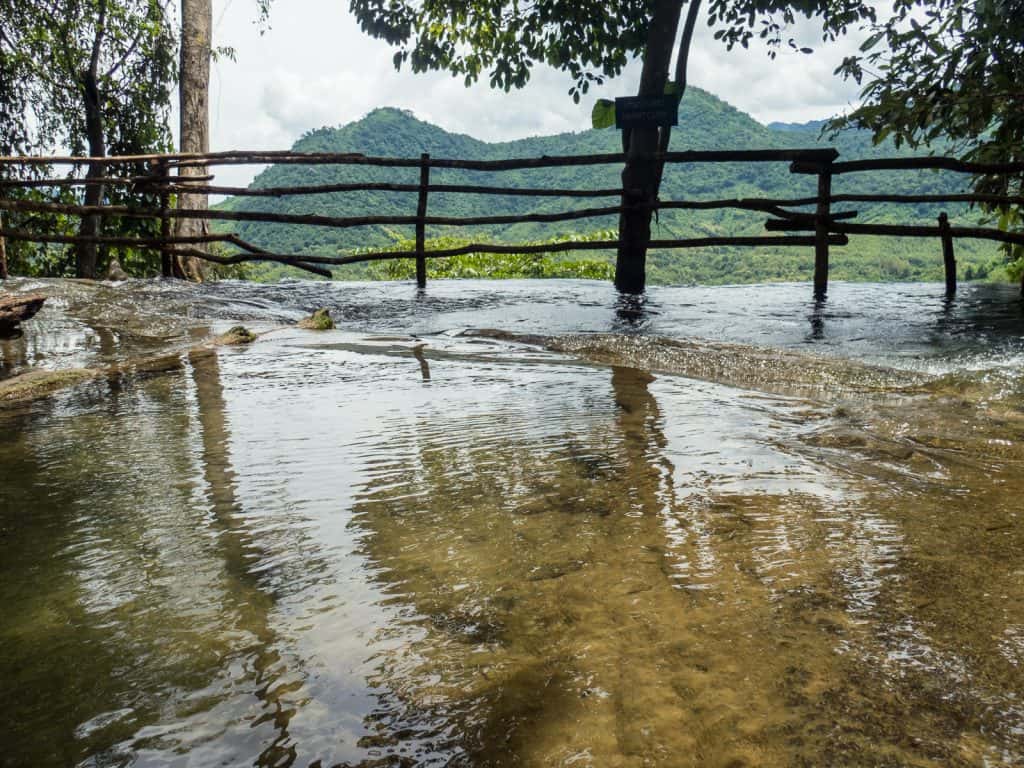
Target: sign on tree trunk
[646,111]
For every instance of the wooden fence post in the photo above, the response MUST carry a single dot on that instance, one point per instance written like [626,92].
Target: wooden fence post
[821,222]
[163,181]
[948,255]
[421,228]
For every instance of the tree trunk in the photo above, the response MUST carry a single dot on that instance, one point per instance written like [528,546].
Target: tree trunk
[86,253]
[86,256]
[640,176]
[194,103]
[682,60]
[3,252]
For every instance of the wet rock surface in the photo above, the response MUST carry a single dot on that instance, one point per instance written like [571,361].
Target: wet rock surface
[15,310]
[116,272]
[318,321]
[237,335]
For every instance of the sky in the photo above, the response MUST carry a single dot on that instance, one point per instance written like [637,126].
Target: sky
[315,68]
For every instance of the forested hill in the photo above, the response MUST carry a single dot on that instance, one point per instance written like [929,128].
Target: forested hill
[705,122]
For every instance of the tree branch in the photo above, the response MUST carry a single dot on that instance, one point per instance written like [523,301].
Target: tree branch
[128,52]
[97,42]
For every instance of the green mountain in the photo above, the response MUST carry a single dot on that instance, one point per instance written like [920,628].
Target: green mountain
[705,122]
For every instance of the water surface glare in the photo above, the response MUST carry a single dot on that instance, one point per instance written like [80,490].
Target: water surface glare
[369,548]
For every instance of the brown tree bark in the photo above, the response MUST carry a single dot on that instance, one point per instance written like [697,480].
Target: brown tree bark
[86,254]
[640,176]
[682,61]
[3,251]
[194,125]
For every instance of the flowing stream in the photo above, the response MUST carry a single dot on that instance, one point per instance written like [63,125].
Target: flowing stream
[514,523]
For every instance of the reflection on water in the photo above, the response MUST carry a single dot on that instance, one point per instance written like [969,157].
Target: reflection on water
[817,319]
[500,558]
[344,550]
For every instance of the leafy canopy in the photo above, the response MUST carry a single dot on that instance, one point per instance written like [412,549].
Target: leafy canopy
[592,40]
[46,54]
[948,71]
[945,69]
[43,58]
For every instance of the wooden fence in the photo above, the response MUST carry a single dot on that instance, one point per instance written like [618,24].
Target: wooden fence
[154,176]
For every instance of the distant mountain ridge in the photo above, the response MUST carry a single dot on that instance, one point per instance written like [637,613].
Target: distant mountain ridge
[811,126]
[705,122]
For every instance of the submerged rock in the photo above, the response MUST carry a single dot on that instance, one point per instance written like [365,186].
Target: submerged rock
[115,271]
[15,309]
[38,383]
[318,321]
[235,336]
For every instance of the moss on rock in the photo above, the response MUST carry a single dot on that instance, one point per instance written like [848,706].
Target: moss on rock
[235,336]
[318,321]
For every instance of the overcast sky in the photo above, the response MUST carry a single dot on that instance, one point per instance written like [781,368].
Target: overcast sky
[314,67]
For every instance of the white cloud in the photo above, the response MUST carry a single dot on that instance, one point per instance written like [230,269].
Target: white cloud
[314,67]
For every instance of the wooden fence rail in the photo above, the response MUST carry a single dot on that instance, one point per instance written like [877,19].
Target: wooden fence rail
[810,156]
[766,205]
[159,177]
[898,230]
[496,248]
[911,164]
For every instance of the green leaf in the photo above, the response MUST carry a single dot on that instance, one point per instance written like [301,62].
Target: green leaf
[603,114]
[872,41]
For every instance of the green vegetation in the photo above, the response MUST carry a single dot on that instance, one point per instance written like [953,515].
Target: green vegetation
[591,40]
[235,336]
[92,77]
[320,320]
[705,123]
[95,77]
[950,71]
[76,71]
[495,266]
[876,260]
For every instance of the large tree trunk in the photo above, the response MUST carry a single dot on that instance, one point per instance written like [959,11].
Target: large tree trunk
[640,176]
[194,103]
[86,256]
[86,253]
[3,251]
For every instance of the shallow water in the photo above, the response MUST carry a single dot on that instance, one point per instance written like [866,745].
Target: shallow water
[410,543]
